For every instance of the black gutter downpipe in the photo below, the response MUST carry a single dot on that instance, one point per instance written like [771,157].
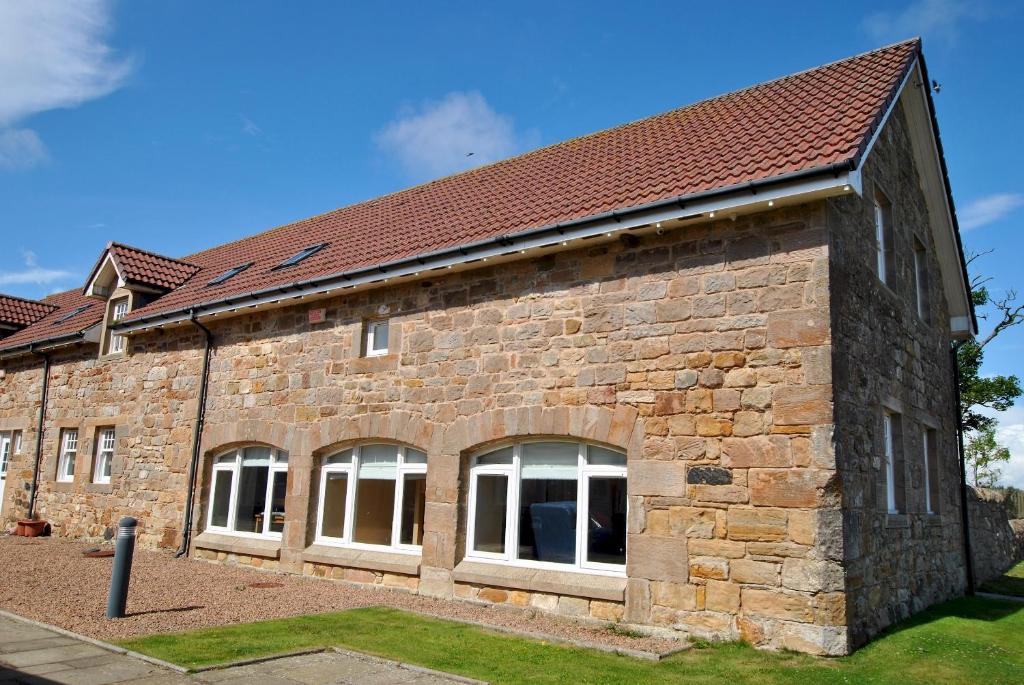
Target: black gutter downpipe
[39,431]
[965,517]
[186,531]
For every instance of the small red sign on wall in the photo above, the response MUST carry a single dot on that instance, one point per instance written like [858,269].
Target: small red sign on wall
[317,315]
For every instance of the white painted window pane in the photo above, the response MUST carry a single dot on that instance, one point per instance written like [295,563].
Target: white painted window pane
[221,498]
[108,439]
[378,462]
[17,442]
[256,456]
[340,458]
[606,520]
[379,336]
[414,499]
[490,513]
[550,461]
[502,456]
[278,489]
[335,500]
[252,497]
[415,457]
[599,456]
[547,520]
[280,457]
[375,511]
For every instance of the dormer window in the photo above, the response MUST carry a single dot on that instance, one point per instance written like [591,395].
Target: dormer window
[229,274]
[300,256]
[118,310]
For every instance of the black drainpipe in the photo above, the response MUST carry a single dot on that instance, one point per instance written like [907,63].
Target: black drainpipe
[193,466]
[39,431]
[965,517]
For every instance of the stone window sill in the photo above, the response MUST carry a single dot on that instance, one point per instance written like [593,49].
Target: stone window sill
[64,486]
[933,519]
[371,560]
[897,521]
[236,544]
[100,488]
[384,362]
[609,588]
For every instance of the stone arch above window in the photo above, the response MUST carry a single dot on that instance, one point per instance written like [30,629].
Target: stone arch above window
[220,437]
[339,432]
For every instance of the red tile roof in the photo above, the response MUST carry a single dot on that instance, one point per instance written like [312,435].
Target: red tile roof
[802,122]
[70,313]
[17,312]
[146,268]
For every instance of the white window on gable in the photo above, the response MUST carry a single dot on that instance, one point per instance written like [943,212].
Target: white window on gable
[105,443]
[884,265]
[68,453]
[892,468]
[375,338]
[921,281]
[248,488]
[119,310]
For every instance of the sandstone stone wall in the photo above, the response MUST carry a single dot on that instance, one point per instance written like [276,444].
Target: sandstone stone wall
[885,355]
[704,354]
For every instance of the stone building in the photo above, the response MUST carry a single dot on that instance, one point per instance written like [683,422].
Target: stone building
[690,372]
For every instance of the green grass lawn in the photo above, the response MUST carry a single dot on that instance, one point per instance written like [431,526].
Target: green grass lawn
[1011,583]
[963,641]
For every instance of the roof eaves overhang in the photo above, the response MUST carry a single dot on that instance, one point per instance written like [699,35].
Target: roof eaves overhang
[833,179]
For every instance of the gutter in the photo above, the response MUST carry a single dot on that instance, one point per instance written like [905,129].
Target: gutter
[39,431]
[55,341]
[584,227]
[965,519]
[193,465]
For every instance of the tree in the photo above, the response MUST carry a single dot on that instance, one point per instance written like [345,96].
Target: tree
[976,391]
[985,457]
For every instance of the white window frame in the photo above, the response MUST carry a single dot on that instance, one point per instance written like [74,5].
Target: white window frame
[513,472]
[118,311]
[16,437]
[920,264]
[106,444]
[925,448]
[882,229]
[6,451]
[278,464]
[890,463]
[352,469]
[372,328]
[68,455]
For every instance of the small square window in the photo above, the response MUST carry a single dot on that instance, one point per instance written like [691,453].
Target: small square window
[375,338]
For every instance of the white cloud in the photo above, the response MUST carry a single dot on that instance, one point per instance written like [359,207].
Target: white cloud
[33,274]
[940,19]
[21,148]
[53,54]
[1010,434]
[988,209]
[249,127]
[458,132]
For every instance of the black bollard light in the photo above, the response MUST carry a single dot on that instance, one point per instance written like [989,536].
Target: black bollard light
[124,549]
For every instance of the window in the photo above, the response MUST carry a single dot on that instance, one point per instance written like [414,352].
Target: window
[373,495]
[893,462]
[375,342]
[884,265]
[247,492]
[921,280]
[299,256]
[931,471]
[68,451]
[17,442]
[70,315]
[105,441]
[549,504]
[5,458]
[118,312]
[230,273]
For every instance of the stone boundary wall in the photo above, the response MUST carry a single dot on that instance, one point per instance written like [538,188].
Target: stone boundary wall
[997,541]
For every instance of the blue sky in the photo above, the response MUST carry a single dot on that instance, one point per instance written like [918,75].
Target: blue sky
[176,126]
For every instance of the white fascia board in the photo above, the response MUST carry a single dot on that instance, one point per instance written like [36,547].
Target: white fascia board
[743,198]
[108,262]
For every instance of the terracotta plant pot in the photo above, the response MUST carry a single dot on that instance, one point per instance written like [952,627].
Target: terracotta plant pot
[30,529]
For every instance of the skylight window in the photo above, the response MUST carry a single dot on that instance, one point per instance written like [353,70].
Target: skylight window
[299,256]
[230,273]
[73,313]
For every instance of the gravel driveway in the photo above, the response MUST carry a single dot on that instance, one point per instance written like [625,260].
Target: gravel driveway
[48,579]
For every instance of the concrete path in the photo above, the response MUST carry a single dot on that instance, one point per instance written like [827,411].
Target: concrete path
[32,655]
